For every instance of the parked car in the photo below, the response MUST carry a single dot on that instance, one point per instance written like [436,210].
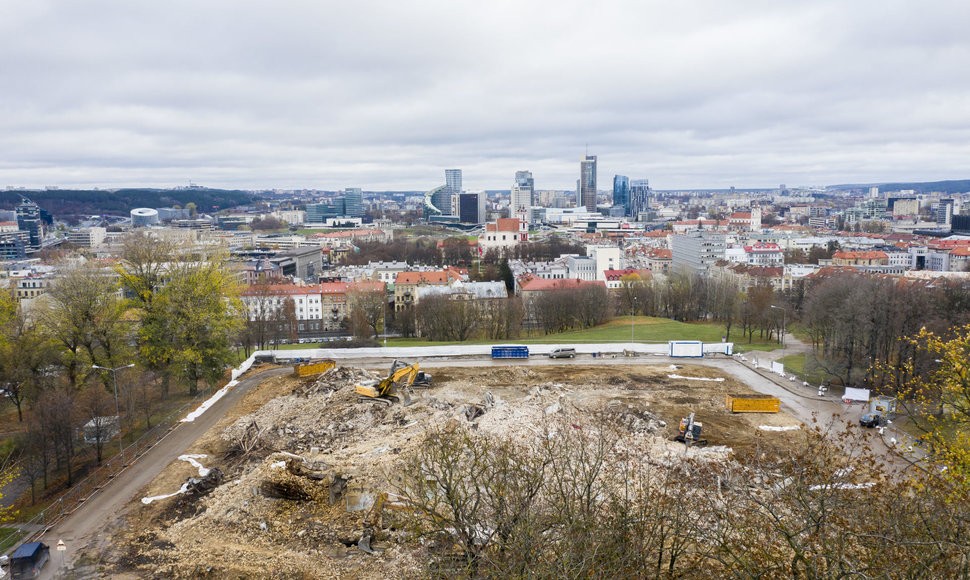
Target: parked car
[871,420]
[563,352]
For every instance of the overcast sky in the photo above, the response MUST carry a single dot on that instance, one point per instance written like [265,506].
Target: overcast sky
[388,94]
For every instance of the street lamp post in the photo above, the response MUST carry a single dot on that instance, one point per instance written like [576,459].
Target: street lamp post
[633,309]
[384,322]
[114,377]
[784,325]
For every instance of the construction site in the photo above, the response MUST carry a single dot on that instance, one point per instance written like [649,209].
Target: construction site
[303,478]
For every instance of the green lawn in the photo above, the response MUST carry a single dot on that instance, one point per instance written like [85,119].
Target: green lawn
[795,363]
[8,537]
[645,329]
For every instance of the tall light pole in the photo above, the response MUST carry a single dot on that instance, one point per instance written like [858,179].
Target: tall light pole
[114,377]
[784,331]
[633,309]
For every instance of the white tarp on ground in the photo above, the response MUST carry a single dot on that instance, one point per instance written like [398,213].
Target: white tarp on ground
[854,394]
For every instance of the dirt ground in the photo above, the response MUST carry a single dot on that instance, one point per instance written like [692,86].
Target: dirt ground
[294,506]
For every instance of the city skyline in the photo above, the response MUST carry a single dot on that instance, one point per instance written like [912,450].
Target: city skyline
[704,95]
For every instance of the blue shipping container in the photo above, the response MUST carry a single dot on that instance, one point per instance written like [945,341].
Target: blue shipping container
[510,351]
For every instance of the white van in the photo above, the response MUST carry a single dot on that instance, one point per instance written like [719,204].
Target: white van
[563,352]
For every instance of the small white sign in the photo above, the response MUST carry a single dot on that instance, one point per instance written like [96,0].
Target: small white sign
[61,546]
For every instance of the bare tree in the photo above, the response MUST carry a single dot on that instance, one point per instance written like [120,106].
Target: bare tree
[366,311]
[96,411]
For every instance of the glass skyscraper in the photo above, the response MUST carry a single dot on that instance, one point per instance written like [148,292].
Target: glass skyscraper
[442,199]
[353,202]
[639,197]
[621,193]
[523,194]
[587,183]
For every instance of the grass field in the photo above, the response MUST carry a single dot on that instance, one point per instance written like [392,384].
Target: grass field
[795,363]
[644,328]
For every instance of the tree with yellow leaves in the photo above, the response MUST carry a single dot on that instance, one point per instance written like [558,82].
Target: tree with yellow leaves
[938,395]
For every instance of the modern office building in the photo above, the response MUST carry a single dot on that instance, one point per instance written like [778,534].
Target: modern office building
[443,198]
[317,213]
[453,180]
[87,237]
[587,183]
[28,220]
[621,193]
[471,207]
[13,245]
[696,251]
[944,212]
[143,217]
[522,194]
[524,178]
[639,197]
[353,202]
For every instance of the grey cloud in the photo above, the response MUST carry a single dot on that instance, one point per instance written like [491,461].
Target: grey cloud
[388,94]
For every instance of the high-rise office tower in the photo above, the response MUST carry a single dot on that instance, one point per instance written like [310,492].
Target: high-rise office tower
[453,180]
[523,194]
[524,178]
[28,220]
[443,199]
[471,207]
[639,197]
[587,183]
[621,193]
[353,202]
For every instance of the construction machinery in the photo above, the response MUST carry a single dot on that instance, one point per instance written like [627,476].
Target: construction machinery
[396,386]
[690,432]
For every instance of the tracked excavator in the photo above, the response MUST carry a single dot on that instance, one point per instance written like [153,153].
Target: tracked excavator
[396,386]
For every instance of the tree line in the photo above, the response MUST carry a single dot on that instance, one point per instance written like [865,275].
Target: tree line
[162,317]
[575,501]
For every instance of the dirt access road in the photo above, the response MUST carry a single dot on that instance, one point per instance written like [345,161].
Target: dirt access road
[86,525]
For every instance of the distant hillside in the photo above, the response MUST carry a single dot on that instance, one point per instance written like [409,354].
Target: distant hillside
[949,186]
[68,203]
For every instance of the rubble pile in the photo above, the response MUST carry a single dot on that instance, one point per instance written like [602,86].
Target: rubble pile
[299,507]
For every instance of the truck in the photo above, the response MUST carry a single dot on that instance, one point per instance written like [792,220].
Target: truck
[510,351]
[28,560]
[882,409]
[752,404]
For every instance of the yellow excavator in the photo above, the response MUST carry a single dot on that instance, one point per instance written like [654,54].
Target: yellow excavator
[395,386]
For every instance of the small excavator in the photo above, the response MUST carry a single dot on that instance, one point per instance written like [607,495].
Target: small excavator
[689,432]
[397,385]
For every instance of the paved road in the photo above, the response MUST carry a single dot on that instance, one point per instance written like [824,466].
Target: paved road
[86,525]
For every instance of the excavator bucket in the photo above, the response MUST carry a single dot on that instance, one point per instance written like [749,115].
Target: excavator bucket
[406,398]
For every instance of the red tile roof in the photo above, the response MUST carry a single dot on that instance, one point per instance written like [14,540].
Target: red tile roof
[763,247]
[281,289]
[860,255]
[531,283]
[433,277]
